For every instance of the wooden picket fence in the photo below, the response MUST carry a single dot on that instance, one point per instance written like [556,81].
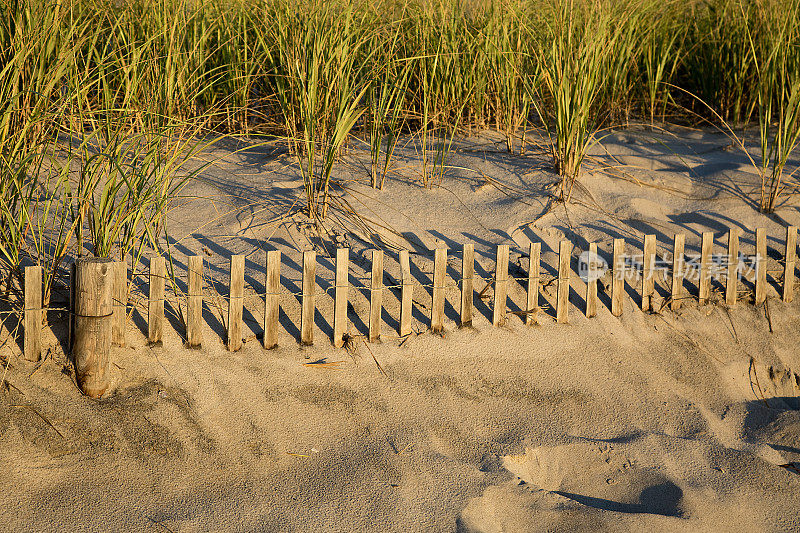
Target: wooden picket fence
[500,281]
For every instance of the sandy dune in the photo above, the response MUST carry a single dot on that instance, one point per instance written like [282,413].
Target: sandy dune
[667,421]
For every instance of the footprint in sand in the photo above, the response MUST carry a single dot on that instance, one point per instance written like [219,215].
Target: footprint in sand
[597,476]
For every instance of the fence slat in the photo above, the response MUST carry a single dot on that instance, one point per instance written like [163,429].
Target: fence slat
[500,285]
[120,312]
[678,262]
[761,266]
[194,302]
[618,279]
[467,284]
[32,327]
[376,296]
[562,299]
[341,289]
[155,307]
[732,270]
[534,274]
[704,284]
[437,293]
[406,294]
[271,302]
[790,261]
[309,298]
[648,265]
[591,283]
[236,303]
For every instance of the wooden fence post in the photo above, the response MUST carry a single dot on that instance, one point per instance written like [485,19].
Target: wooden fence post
[406,294]
[761,266]
[500,285]
[341,287]
[677,270]
[194,302]
[534,274]
[732,270]
[467,284]
[94,286]
[271,303]
[437,293]
[562,298]
[790,261]
[591,281]
[120,303]
[236,303]
[704,282]
[309,298]
[32,327]
[618,279]
[155,307]
[648,266]
[376,296]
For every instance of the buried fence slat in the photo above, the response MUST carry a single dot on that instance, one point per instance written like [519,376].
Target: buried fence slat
[155,306]
[790,260]
[732,269]
[761,266]
[341,285]
[704,283]
[236,303]
[194,302]
[32,328]
[271,304]
[648,265]
[309,305]
[71,322]
[591,281]
[120,303]
[618,278]
[678,246]
[562,300]
[406,294]
[500,285]
[534,274]
[467,284]
[437,292]
[94,286]
[376,296]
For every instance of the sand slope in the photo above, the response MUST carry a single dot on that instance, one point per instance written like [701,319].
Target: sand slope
[675,422]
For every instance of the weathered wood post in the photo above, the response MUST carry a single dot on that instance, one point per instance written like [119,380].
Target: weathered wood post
[271,302]
[761,266]
[790,261]
[732,276]
[648,266]
[236,303]
[704,282]
[534,273]
[155,306]
[678,262]
[341,287]
[437,292]
[94,286]
[194,302]
[618,279]
[467,284]
[120,302]
[309,299]
[591,281]
[406,293]
[376,296]
[32,328]
[500,285]
[562,290]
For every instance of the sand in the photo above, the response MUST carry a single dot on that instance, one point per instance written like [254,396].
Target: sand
[668,421]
